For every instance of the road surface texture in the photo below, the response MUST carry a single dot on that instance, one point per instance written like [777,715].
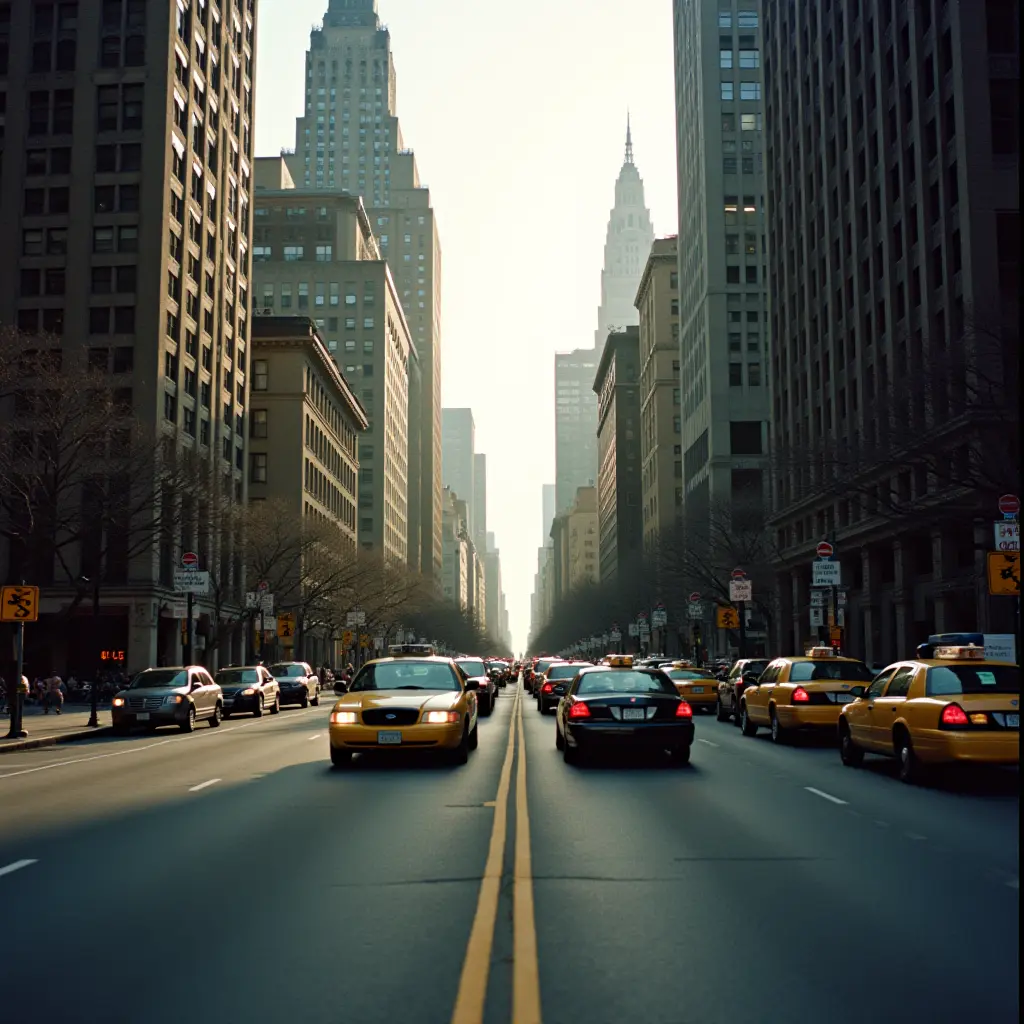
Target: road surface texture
[232,876]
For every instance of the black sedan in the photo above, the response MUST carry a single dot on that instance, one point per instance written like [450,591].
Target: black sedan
[616,708]
[249,688]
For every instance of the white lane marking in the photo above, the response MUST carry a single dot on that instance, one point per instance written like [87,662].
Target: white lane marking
[203,785]
[223,731]
[882,824]
[708,742]
[16,866]
[825,796]
[914,835]
[1013,883]
[315,736]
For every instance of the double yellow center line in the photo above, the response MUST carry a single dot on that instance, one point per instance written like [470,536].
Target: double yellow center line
[476,968]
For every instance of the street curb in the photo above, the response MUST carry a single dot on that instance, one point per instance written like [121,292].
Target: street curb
[52,741]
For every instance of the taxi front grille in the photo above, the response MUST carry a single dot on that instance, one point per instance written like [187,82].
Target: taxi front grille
[391,716]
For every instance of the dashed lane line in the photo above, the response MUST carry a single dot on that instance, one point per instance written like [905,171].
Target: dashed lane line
[16,866]
[826,796]
[203,785]
[700,739]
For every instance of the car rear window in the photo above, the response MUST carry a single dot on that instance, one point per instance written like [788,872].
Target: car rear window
[471,667]
[815,671]
[238,675]
[623,681]
[949,680]
[289,671]
[563,671]
[687,673]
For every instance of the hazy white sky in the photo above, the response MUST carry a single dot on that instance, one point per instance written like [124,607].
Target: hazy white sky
[516,111]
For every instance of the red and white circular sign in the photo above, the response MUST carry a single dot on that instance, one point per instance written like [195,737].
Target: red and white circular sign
[1009,505]
[824,549]
[695,596]
[190,560]
[738,574]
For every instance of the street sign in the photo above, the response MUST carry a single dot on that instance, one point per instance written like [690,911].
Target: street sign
[1004,573]
[825,573]
[737,574]
[355,619]
[696,610]
[659,618]
[257,600]
[190,581]
[269,627]
[695,597]
[346,638]
[817,618]
[741,590]
[824,549]
[818,598]
[615,636]
[727,618]
[841,598]
[645,631]
[286,625]
[1007,532]
[835,634]
[634,629]
[364,640]
[20,604]
[1009,505]
[179,610]
[263,585]
[190,560]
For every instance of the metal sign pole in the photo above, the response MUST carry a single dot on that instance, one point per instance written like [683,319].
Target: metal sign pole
[15,698]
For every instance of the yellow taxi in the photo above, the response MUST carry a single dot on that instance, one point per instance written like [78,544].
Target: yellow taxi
[411,700]
[697,685]
[796,693]
[953,707]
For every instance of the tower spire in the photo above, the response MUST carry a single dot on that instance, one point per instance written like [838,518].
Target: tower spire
[629,140]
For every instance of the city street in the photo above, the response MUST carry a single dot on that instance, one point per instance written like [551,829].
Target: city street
[232,875]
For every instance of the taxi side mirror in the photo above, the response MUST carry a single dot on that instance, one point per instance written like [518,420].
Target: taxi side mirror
[858,691]
[472,684]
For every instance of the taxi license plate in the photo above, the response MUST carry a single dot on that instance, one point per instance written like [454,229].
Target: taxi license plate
[696,689]
[1013,721]
[844,698]
[142,716]
[633,714]
[389,738]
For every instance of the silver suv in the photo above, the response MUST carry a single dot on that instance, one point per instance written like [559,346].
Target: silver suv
[180,695]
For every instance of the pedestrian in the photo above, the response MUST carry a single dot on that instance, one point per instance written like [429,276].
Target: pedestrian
[53,695]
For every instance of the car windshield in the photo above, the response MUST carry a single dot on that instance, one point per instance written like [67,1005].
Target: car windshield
[949,680]
[564,671]
[405,675]
[237,675]
[619,681]
[287,670]
[815,671]
[160,678]
[472,667]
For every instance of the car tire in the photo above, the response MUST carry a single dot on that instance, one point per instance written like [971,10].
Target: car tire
[189,724]
[460,755]
[735,716]
[258,710]
[720,713]
[216,717]
[681,754]
[304,702]
[912,771]
[474,738]
[315,701]
[341,758]
[559,742]
[748,727]
[570,755]
[276,709]
[779,736]
[849,753]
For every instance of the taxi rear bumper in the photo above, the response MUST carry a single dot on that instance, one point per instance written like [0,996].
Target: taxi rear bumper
[708,699]
[813,716]
[643,736]
[414,737]
[938,746]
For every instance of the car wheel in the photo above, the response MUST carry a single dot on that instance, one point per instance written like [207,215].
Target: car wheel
[720,713]
[735,716]
[912,771]
[276,709]
[488,706]
[316,698]
[559,742]
[218,714]
[570,755]
[190,723]
[778,733]
[341,758]
[748,727]
[681,754]
[304,703]
[474,738]
[460,755]
[849,753]
[258,710]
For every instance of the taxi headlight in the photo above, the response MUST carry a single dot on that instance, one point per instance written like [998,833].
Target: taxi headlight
[344,718]
[248,691]
[439,717]
[118,702]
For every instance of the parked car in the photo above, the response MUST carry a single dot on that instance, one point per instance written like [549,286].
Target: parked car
[298,683]
[742,674]
[487,692]
[249,688]
[180,695]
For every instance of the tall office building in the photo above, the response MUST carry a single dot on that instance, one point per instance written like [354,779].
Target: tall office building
[480,502]
[349,138]
[458,448]
[575,424]
[547,510]
[627,243]
[722,307]
[894,163]
[125,220]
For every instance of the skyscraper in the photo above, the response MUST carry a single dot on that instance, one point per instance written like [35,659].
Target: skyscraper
[125,222]
[575,424]
[479,515]
[722,308]
[458,444]
[627,243]
[547,510]
[349,138]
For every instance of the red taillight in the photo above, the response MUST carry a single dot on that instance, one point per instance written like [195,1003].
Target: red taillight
[801,696]
[579,710]
[546,688]
[684,710]
[953,714]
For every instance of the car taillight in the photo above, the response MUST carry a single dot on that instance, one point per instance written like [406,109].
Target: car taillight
[684,710]
[579,710]
[801,696]
[546,688]
[953,714]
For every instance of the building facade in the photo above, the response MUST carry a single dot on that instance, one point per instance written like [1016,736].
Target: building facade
[893,154]
[619,492]
[661,451]
[480,502]
[575,424]
[580,547]
[722,304]
[456,548]
[125,224]
[627,243]
[458,450]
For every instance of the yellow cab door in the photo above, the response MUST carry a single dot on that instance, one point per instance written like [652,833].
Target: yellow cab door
[887,709]
[757,697]
[860,714]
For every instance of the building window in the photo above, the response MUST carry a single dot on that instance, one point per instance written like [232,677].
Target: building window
[728,165]
[258,424]
[323,253]
[754,374]
[735,375]
[750,90]
[727,91]
[746,19]
[260,374]
[725,58]
[258,468]
[750,58]
[368,323]
[750,122]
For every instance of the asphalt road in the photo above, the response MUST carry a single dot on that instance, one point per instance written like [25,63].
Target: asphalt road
[231,875]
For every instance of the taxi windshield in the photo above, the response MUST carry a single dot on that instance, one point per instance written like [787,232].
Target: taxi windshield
[405,675]
[472,667]
[159,678]
[948,680]
[815,671]
[620,681]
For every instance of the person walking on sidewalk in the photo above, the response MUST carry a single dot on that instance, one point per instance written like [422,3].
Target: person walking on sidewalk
[54,694]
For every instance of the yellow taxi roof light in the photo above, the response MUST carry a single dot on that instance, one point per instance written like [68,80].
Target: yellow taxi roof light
[411,650]
[620,661]
[820,652]
[967,652]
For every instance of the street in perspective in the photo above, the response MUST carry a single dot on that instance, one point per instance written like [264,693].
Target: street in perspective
[542,551]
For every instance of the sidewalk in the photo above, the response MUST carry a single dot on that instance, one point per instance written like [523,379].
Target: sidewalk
[47,730]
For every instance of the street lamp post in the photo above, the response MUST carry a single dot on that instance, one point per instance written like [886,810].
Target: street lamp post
[94,714]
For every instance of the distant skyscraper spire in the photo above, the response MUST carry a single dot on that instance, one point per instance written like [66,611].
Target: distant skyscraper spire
[629,140]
